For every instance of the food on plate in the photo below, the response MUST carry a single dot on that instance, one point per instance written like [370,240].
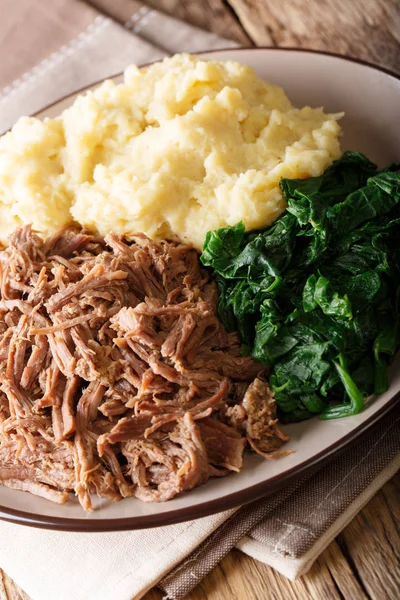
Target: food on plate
[315,296]
[116,375]
[181,147]
[127,367]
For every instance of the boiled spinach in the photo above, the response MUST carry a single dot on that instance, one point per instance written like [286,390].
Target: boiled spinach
[315,295]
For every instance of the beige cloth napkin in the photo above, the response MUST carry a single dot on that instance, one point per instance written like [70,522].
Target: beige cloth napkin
[52,49]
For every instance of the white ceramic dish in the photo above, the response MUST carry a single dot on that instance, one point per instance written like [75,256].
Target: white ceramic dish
[370,98]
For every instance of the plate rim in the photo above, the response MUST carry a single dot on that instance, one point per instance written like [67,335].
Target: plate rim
[250,493]
[208,507]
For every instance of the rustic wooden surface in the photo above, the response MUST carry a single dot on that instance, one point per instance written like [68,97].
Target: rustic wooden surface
[364,560]
[367,29]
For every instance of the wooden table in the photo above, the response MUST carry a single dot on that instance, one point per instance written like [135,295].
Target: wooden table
[364,560]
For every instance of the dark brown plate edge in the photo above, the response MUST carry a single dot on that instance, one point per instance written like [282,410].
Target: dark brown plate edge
[234,499]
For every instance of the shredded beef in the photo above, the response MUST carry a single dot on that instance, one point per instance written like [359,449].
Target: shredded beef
[116,376]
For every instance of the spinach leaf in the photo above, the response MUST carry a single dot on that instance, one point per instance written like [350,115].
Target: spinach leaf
[318,292]
[315,295]
[356,398]
[221,245]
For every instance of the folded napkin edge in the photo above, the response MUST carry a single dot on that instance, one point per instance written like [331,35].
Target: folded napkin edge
[292,567]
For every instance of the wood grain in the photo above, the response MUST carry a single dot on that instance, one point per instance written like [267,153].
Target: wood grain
[213,15]
[10,590]
[375,533]
[366,29]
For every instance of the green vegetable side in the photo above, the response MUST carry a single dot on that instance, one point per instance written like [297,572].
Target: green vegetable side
[315,296]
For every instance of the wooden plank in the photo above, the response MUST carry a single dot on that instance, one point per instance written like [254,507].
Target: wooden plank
[238,576]
[213,15]
[9,590]
[264,578]
[369,30]
[371,544]
[341,572]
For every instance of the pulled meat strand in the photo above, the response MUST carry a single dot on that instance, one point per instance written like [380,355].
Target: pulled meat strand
[116,376]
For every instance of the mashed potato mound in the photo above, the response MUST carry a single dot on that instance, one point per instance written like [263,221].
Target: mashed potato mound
[181,147]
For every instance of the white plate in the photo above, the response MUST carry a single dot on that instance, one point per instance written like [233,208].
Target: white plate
[370,98]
